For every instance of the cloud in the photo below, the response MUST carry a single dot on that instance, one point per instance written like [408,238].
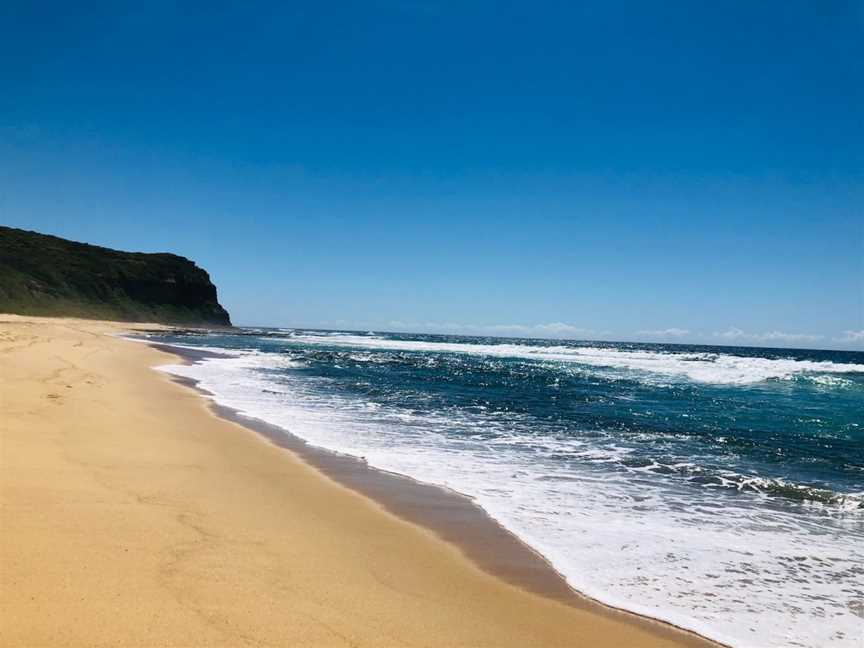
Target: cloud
[549,330]
[854,337]
[731,334]
[563,330]
[664,333]
[790,337]
[560,328]
[735,333]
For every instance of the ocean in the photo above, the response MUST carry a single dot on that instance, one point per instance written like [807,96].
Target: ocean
[720,489]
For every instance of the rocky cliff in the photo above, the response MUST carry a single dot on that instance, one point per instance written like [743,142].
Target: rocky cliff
[47,275]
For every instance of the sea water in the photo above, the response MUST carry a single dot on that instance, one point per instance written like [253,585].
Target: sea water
[720,489]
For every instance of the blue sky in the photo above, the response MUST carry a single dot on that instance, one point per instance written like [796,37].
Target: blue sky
[680,171]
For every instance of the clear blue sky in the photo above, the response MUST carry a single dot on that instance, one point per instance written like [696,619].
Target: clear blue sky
[623,170]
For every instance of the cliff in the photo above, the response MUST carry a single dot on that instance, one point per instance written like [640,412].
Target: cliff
[47,275]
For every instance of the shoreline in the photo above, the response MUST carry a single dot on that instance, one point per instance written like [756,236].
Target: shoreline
[452,516]
[133,515]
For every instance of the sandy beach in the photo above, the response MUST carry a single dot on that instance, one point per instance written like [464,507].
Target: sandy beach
[132,515]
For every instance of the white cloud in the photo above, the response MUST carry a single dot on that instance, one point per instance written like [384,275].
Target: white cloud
[854,337]
[560,328]
[735,333]
[664,333]
[549,330]
[731,334]
[563,330]
[791,337]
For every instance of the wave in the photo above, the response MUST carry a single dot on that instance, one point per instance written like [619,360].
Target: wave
[713,368]
[806,494]
[626,537]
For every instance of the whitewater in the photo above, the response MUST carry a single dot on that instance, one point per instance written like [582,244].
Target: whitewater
[721,490]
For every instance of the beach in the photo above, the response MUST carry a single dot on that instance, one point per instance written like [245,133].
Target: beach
[677,483]
[133,515]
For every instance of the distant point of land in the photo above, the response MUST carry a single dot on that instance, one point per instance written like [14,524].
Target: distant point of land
[50,276]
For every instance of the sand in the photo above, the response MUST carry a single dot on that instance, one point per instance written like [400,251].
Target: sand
[132,515]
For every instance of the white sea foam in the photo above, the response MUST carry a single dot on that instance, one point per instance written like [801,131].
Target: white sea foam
[716,368]
[701,560]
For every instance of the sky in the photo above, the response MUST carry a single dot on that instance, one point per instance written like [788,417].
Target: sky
[666,171]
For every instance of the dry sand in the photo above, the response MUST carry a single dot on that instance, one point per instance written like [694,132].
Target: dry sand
[131,515]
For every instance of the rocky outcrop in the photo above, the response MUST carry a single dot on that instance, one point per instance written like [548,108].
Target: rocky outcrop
[47,275]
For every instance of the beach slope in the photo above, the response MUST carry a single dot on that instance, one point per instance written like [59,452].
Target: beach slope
[131,515]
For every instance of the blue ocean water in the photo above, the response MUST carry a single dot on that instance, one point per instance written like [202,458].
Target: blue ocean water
[718,488]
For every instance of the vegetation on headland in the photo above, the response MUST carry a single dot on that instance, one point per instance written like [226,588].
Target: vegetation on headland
[50,276]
